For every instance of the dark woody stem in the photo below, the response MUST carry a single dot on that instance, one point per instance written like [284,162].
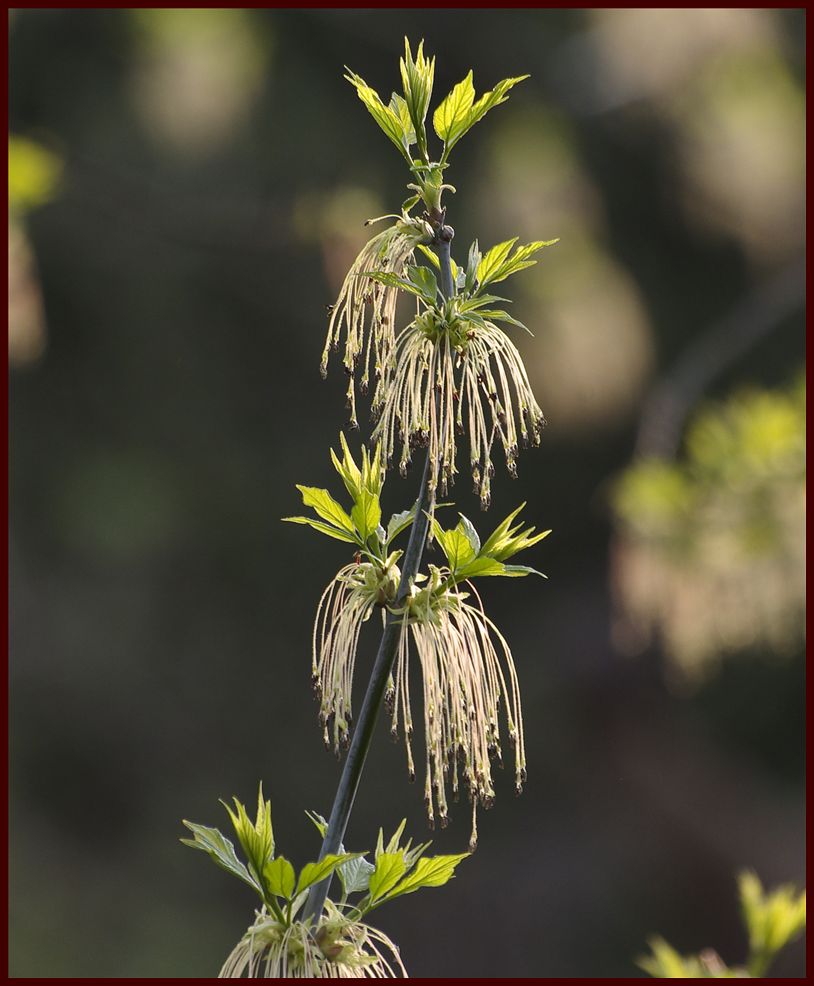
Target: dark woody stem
[388,646]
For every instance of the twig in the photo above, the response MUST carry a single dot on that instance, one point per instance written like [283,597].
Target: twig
[668,405]
[388,646]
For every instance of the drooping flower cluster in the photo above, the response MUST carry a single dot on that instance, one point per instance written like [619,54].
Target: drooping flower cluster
[452,371]
[347,603]
[467,671]
[340,949]
[456,374]
[365,311]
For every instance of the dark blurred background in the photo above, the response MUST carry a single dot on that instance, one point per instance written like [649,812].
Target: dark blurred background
[187,189]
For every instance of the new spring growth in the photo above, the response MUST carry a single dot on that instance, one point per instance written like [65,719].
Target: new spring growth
[467,670]
[339,944]
[447,374]
[365,311]
[451,368]
[455,372]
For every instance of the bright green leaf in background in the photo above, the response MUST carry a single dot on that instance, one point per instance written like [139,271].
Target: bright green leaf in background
[33,173]
[772,921]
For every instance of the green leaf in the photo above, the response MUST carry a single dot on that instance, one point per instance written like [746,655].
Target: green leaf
[471,534]
[33,173]
[221,851]
[394,281]
[326,507]
[316,872]
[772,919]
[493,260]
[496,264]
[666,963]
[434,871]
[458,544]
[480,567]
[432,256]
[472,263]
[451,118]
[332,532]
[518,571]
[417,78]
[424,279]
[320,823]
[458,113]
[501,316]
[390,867]
[256,839]
[279,878]
[348,471]
[455,546]
[398,523]
[355,875]
[387,119]
[366,513]
[395,839]
[491,99]
[506,541]
[399,106]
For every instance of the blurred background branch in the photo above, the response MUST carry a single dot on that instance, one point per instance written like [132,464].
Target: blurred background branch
[764,309]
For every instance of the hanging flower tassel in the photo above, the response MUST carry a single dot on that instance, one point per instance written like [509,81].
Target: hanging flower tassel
[348,601]
[455,378]
[340,949]
[365,310]
[466,670]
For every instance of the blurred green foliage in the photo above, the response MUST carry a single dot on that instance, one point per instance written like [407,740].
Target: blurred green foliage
[33,173]
[726,523]
[772,920]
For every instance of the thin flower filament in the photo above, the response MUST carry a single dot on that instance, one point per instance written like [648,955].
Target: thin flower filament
[465,380]
[467,671]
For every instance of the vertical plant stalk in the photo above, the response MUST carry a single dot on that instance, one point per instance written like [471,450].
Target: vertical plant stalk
[388,646]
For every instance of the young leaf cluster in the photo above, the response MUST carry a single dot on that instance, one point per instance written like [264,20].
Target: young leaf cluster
[362,525]
[467,558]
[395,871]
[272,877]
[403,119]
[495,265]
